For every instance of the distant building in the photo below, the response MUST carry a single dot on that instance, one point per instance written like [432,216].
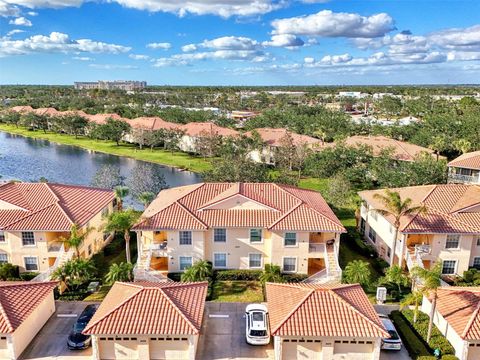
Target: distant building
[111,85]
[465,169]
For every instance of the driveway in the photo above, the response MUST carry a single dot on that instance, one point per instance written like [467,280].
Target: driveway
[395,355]
[223,334]
[51,341]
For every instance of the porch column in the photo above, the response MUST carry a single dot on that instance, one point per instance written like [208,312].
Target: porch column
[403,248]
[376,349]
[277,345]
[95,349]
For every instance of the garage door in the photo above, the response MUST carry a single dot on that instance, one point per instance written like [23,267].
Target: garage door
[175,348]
[301,349]
[3,348]
[473,352]
[118,348]
[352,350]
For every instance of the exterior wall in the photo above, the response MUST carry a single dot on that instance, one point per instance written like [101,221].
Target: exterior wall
[187,143]
[463,255]
[32,325]
[175,250]
[460,346]
[463,176]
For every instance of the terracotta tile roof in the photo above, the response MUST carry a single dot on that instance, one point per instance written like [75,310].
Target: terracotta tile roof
[208,128]
[274,137]
[21,109]
[322,310]
[48,206]
[451,208]
[18,300]
[102,118]
[469,160]
[151,123]
[273,206]
[151,308]
[401,150]
[460,307]
[47,111]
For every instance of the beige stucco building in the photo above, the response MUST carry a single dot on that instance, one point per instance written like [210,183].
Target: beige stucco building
[26,307]
[465,169]
[239,226]
[36,218]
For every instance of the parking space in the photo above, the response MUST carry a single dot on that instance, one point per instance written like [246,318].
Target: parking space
[223,334]
[395,355]
[51,341]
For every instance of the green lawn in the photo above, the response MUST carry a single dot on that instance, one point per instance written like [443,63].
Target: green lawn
[176,159]
[314,184]
[237,291]
[100,294]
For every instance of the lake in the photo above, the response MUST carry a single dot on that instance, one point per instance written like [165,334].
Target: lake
[27,159]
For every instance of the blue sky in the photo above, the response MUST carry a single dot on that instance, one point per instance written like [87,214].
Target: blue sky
[240,42]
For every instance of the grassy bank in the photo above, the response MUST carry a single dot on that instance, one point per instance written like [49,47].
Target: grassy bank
[175,159]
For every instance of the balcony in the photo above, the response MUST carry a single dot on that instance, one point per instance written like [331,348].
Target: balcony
[159,250]
[316,249]
[464,179]
[54,246]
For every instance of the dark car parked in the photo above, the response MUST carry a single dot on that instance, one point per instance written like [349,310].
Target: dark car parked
[76,340]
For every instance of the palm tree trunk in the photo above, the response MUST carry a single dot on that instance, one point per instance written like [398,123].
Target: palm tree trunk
[394,247]
[432,314]
[127,245]
[415,312]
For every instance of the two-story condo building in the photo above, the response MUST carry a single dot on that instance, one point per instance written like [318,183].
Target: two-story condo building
[448,230]
[239,226]
[465,169]
[36,218]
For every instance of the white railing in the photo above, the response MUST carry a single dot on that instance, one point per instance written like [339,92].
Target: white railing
[316,248]
[55,246]
[62,257]
[464,178]
[148,275]
[318,277]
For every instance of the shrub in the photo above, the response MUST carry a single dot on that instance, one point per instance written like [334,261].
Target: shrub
[437,341]
[449,357]
[430,357]
[8,271]
[27,276]
[175,276]
[232,275]
[415,346]
[294,278]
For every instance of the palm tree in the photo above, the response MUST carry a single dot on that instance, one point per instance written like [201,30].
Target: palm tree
[75,272]
[76,238]
[397,208]
[122,222]
[146,198]
[439,143]
[431,280]
[357,271]
[396,276]
[200,271]
[414,298]
[462,145]
[272,273]
[120,193]
[119,272]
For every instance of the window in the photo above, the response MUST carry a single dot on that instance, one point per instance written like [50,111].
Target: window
[449,267]
[105,211]
[3,258]
[290,239]
[477,239]
[374,214]
[254,261]
[219,235]
[289,264]
[476,263]
[89,249]
[2,236]
[372,235]
[185,262]
[28,238]
[31,263]
[185,238]
[452,242]
[362,226]
[255,235]
[220,260]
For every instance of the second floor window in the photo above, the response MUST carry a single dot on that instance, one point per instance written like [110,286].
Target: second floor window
[219,235]
[185,238]
[290,239]
[2,236]
[372,235]
[448,267]
[28,238]
[477,239]
[452,242]
[374,214]
[255,235]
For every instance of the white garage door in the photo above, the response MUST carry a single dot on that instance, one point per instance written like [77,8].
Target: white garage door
[3,348]
[175,348]
[352,350]
[301,349]
[473,352]
[118,348]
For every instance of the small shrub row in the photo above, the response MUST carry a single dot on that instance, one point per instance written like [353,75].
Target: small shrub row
[9,271]
[415,346]
[431,357]
[233,275]
[437,341]
[294,278]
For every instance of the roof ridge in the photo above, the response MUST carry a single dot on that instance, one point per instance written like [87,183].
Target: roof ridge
[59,205]
[285,215]
[471,320]
[421,202]
[191,213]
[4,314]
[455,219]
[177,309]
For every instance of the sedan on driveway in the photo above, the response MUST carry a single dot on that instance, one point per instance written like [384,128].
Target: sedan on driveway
[76,339]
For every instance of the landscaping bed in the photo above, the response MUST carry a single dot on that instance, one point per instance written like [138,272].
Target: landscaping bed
[237,291]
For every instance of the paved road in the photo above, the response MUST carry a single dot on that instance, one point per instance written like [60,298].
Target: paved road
[224,337]
[51,341]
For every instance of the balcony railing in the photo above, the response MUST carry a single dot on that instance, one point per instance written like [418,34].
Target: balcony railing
[159,249]
[54,246]
[316,248]
[464,178]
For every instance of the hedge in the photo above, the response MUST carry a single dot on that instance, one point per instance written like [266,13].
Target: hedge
[437,341]
[449,357]
[233,275]
[415,346]
[294,278]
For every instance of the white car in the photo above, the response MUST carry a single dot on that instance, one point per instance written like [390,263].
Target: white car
[393,342]
[256,324]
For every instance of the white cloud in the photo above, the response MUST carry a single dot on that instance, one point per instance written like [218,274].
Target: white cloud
[163,46]
[336,59]
[284,40]
[14,31]
[138,57]
[467,39]
[56,43]
[329,24]
[230,43]
[113,66]
[32,13]
[7,10]
[189,47]
[83,58]
[20,21]
[308,60]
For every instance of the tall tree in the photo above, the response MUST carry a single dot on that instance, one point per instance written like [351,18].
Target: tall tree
[76,238]
[119,272]
[122,222]
[146,198]
[120,193]
[357,271]
[398,208]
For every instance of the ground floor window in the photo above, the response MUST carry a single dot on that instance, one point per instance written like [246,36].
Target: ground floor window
[31,263]
[254,261]
[476,263]
[3,258]
[185,262]
[448,267]
[289,264]
[220,260]
[372,235]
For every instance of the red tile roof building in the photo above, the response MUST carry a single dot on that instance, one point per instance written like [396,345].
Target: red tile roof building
[274,137]
[469,160]
[465,169]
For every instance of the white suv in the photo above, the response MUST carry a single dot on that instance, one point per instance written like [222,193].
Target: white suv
[393,342]
[256,324]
